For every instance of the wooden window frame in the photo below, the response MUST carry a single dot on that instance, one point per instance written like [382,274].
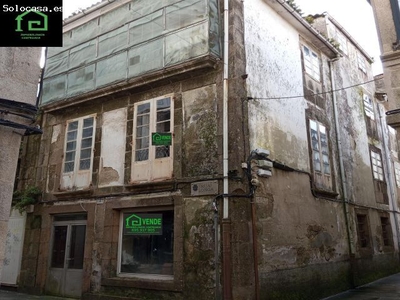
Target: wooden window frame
[78,178]
[153,168]
[311,63]
[363,230]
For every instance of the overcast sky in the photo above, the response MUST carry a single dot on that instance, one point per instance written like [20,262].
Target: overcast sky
[354,15]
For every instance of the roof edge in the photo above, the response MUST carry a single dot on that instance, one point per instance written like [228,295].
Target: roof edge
[348,35]
[307,27]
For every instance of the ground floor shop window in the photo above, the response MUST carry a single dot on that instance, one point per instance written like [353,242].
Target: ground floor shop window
[147,242]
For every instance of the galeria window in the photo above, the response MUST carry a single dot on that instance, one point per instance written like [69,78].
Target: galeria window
[368,107]
[78,152]
[320,150]
[377,168]
[146,243]
[311,63]
[151,162]
[362,65]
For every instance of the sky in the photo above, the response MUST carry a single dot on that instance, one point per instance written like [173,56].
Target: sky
[355,16]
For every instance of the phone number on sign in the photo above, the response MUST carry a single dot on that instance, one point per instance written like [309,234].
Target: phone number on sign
[18,8]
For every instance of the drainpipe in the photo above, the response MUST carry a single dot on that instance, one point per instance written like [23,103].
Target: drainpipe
[342,174]
[226,223]
[388,160]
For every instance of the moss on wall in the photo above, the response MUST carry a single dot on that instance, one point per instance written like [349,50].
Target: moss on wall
[199,267]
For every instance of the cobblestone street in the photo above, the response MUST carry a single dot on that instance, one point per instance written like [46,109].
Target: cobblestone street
[387,288]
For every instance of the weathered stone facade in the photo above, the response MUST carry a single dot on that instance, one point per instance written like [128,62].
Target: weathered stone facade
[295,235]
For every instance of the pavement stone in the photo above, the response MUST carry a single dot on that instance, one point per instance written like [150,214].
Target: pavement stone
[387,288]
[11,295]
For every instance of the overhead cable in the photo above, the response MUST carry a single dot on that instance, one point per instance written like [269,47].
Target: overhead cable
[312,94]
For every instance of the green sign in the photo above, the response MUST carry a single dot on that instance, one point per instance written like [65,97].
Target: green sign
[161,139]
[143,224]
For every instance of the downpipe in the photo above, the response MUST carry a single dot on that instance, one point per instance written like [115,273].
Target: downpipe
[342,175]
[226,223]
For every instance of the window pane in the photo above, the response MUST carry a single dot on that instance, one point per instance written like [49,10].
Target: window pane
[69,167]
[71,136]
[326,164]
[71,146]
[313,125]
[77,247]
[314,140]
[59,243]
[162,151]
[86,143]
[88,122]
[87,132]
[150,254]
[70,156]
[163,103]
[322,130]
[86,153]
[143,120]
[142,143]
[163,115]
[73,126]
[84,164]
[141,155]
[163,127]
[316,161]
[143,108]
[142,131]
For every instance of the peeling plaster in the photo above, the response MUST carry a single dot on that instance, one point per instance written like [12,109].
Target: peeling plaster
[56,133]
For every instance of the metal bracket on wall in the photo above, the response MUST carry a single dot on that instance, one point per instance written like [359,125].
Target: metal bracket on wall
[21,110]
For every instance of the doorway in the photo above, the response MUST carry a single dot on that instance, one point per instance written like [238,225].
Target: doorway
[67,256]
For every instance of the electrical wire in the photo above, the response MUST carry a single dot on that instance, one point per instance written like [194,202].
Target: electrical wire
[314,94]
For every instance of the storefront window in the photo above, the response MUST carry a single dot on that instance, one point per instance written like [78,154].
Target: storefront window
[147,243]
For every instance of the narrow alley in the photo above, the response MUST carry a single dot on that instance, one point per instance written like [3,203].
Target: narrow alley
[383,289]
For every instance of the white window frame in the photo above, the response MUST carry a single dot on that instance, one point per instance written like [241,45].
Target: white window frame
[322,149]
[362,65]
[311,63]
[152,169]
[77,178]
[342,40]
[377,167]
[368,106]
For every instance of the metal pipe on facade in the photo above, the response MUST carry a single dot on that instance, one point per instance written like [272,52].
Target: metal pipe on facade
[216,250]
[342,174]
[255,248]
[390,178]
[226,224]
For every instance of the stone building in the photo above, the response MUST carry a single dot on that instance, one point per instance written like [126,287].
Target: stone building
[19,78]
[387,19]
[183,161]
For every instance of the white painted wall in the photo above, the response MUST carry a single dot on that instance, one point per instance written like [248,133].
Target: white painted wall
[274,70]
[13,248]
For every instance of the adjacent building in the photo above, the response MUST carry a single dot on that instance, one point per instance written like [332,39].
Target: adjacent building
[183,161]
[19,78]
[387,19]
